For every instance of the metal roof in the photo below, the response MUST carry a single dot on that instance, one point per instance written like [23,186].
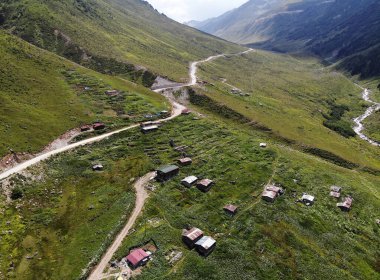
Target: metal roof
[137,256]
[273,188]
[190,179]
[168,168]
[193,233]
[347,203]
[270,194]
[206,242]
[151,127]
[231,208]
[335,194]
[205,182]
[335,189]
[308,197]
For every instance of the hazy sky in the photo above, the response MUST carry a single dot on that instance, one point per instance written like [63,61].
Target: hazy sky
[186,10]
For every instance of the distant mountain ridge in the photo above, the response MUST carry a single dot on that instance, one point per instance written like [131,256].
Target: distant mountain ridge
[343,31]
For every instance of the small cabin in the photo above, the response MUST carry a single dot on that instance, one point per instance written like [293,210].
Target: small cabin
[335,194]
[263,145]
[307,199]
[185,161]
[137,258]
[167,172]
[271,192]
[98,126]
[84,128]
[269,196]
[181,148]
[189,181]
[346,204]
[150,128]
[186,112]
[205,185]
[150,123]
[112,92]
[191,237]
[230,209]
[336,189]
[205,245]
[97,167]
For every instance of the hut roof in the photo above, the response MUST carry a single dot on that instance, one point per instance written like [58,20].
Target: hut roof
[137,256]
[335,189]
[168,168]
[270,194]
[193,233]
[206,242]
[347,203]
[308,197]
[205,182]
[335,194]
[273,188]
[231,208]
[185,160]
[190,179]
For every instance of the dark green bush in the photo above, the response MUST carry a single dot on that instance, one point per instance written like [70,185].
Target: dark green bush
[334,120]
[17,193]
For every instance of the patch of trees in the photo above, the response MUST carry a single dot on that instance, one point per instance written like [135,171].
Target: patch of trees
[335,122]
[378,86]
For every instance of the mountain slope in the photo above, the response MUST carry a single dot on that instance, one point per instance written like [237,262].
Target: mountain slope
[116,36]
[235,24]
[339,31]
[42,96]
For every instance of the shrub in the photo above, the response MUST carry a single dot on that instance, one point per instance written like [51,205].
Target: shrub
[17,193]
[334,120]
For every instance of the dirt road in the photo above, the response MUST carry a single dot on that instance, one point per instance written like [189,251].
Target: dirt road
[141,196]
[176,111]
[194,69]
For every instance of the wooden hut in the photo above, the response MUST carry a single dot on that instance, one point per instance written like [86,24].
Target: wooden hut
[190,237]
[167,172]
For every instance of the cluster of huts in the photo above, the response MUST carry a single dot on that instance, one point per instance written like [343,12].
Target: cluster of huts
[194,238]
[94,126]
[167,172]
[151,126]
[271,192]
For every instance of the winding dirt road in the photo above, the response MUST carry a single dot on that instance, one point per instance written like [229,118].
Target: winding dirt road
[359,128]
[141,196]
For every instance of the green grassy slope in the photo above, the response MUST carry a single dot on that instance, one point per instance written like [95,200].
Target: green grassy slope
[293,97]
[285,239]
[373,126]
[263,241]
[42,96]
[111,34]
